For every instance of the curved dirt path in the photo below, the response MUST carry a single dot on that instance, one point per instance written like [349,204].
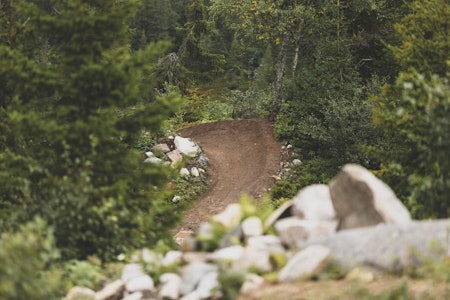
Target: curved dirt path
[243,157]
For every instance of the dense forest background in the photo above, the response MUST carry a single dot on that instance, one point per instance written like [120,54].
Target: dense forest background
[86,86]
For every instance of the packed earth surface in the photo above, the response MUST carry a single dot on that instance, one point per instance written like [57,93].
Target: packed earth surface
[244,157]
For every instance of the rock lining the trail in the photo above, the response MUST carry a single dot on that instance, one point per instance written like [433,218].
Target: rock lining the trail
[391,242]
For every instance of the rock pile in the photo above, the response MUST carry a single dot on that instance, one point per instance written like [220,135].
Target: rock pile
[353,222]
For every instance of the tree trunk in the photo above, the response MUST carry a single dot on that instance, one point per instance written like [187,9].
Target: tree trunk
[297,48]
[276,97]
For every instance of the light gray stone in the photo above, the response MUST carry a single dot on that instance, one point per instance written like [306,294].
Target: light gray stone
[195,172]
[175,156]
[186,146]
[207,285]
[170,288]
[113,290]
[140,284]
[230,254]
[284,211]
[251,283]
[230,217]
[253,258]
[176,199]
[252,226]
[191,296]
[134,296]
[305,263]
[257,253]
[149,154]
[296,162]
[192,274]
[294,232]
[360,199]
[184,172]
[80,293]
[153,160]
[234,236]
[172,257]
[131,271]
[161,148]
[391,247]
[314,203]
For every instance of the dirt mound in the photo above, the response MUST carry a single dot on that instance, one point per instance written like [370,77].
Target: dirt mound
[243,157]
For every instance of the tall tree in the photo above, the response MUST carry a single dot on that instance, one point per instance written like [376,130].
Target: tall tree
[68,125]
[414,112]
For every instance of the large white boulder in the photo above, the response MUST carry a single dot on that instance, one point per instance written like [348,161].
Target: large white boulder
[314,203]
[361,199]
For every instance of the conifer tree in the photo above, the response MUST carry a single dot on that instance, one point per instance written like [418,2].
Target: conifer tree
[68,126]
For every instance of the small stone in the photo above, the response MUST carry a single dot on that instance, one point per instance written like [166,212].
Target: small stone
[305,263]
[175,156]
[153,160]
[192,275]
[161,148]
[131,271]
[139,284]
[171,284]
[80,293]
[207,285]
[113,290]
[230,217]
[176,199]
[149,154]
[172,257]
[186,146]
[195,172]
[231,253]
[361,274]
[252,226]
[184,172]
[134,296]
[252,283]
[296,162]
[283,211]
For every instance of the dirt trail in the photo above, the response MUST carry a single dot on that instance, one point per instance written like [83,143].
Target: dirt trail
[243,157]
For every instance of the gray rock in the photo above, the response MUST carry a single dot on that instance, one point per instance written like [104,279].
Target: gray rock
[305,263]
[161,148]
[229,254]
[391,247]
[192,274]
[257,253]
[140,284]
[184,172]
[207,285]
[175,156]
[172,257]
[195,172]
[80,293]
[314,203]
[191,296]
[131,271]
[134,296]
[113,290]
[186,146]
[296,162]
[361,199]
[149,154]
[230,217]
[234,236]
[176,199]
[284,211]
[252,226]
[153,160]
[251,283]
[171,284]
[294,232]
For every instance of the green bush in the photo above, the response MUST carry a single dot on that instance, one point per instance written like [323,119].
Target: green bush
[26,268]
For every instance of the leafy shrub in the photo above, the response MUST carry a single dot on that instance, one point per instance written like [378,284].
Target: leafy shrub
[26,268]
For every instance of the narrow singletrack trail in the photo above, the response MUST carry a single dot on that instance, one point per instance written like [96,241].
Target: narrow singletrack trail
[243,157]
